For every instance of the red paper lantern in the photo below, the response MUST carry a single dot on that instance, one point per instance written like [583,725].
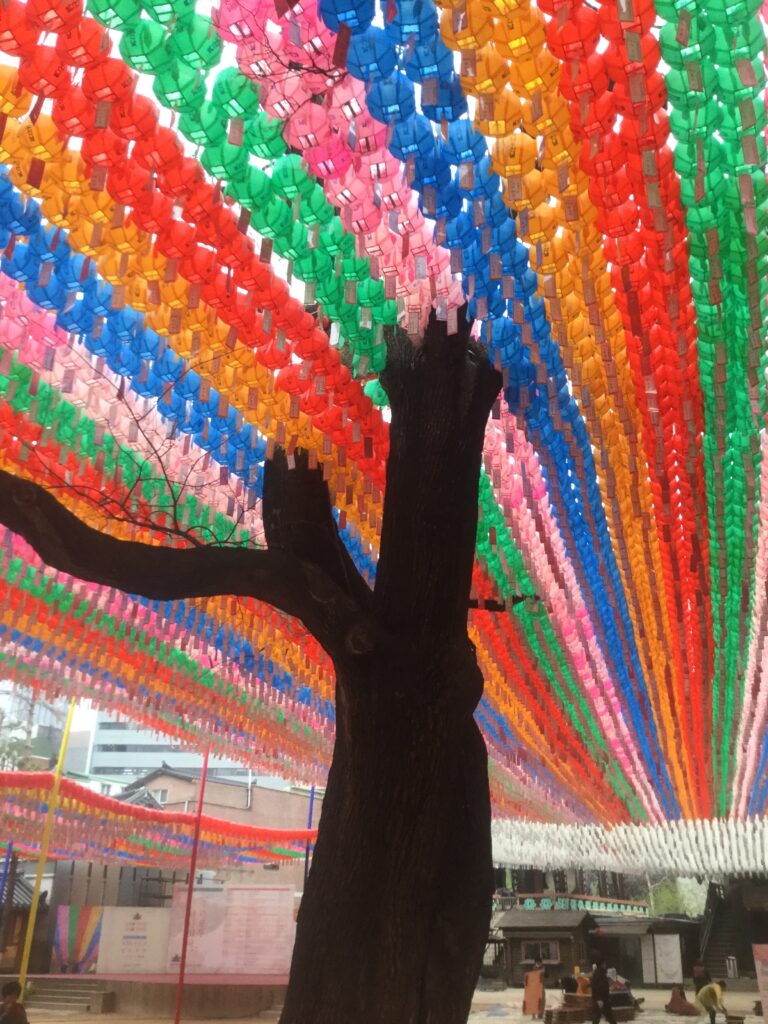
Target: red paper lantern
[653,98]
[199,265]
[584,78]
[180,177]
[595,118]
[273,357]
[623,251]
[608,159]
[126,182]
[74,114]
[641,17]
[290,379]
[252,276]
[104,149]
[177,241]
[621,67]
[237,252]
[610,190]
[577,38]
[83,44]
[133,118]
[54,15]
[199,203]
[17,33]
[44,73]
[109,81]
[159,150]
[154,211]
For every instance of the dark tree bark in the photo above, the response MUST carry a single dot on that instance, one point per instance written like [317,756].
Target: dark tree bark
[395,916]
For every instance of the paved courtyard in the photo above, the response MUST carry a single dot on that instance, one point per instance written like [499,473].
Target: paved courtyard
[506,1006]
[493,1007]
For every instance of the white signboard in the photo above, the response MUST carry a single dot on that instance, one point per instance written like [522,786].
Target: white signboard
[649,959]
[134,940]
[234,930]
[761,968]
[669,963]
[205,950]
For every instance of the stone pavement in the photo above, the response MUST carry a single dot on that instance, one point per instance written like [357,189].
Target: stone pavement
[495,1007]
[487,1008]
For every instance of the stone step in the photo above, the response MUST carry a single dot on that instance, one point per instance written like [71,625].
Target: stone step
[73,986]
[51,1006]
[80,990]
[58,993]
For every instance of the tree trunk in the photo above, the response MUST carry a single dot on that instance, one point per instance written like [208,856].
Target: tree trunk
[395,916]
[394,922]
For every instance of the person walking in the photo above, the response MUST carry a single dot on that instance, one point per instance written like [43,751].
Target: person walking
[700,976]
[710,997]
[601,995]
[534,994]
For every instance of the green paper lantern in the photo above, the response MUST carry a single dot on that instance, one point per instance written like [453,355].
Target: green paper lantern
[115,14]
[273,220]
[167,11]
[225,160]
[144,47]
[294,242]
[263,137]
[253,189]
[196,42]
[180,88]
[205,126]
[313,265]
[679,88]
[235,94]
[289,179]
[315,208]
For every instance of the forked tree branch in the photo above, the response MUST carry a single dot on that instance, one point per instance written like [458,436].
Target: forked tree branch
[441,393]
[294,584]
[298,518]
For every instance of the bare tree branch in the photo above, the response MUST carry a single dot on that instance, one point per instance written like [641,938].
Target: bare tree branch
[296,585]
[298,518]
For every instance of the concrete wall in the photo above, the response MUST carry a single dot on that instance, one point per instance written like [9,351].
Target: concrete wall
[270,808]
[151,999]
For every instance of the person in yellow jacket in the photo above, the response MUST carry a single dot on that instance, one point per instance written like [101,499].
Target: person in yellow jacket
[710,998]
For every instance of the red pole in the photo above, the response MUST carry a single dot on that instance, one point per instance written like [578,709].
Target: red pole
[191,888]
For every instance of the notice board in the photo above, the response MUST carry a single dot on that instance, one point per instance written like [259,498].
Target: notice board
[134,940]
[234,929]
[761,968]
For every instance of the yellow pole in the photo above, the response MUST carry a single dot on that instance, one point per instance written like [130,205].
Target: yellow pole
[45,842]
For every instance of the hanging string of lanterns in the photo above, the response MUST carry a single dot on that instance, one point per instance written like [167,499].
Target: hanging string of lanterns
[91,826]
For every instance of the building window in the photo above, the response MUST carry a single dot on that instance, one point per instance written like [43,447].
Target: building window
[161,795]
[547,952]
[134,748]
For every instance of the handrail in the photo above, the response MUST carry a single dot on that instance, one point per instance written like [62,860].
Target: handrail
[715,898]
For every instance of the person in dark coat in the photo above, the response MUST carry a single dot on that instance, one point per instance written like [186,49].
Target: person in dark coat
[11,1010]
[601,995]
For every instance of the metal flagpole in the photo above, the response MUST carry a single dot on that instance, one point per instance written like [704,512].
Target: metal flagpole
[191,888]
[45,843]
[309,825]
[4,876]
[3,884]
